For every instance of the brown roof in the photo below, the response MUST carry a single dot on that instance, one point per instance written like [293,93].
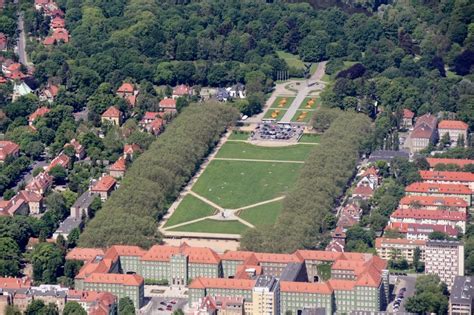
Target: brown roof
[39,112]
[459,162]
[112,112]
[408,114]
[438,188]
[168,103]
[84,254]
[105,183]
[126,88]
[8,148]
[305,287]
[434,201]
[119,165]
[114,278]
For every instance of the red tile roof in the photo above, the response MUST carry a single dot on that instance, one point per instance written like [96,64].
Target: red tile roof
[15,283]
[84,254]
[168,103]
[447,176]
[196,255]
[236,255]
[218,283]
[341,285]
[305,287]
[433,201]
[119,165]
[429,214]
[160,253]
[131,148]
[277,258]
[62,160]
[105,183]
[127,250]
[408,114]
[438,188]
[114,278]
[126,88]
[58,22]
[40,183]
[419,228]
[8,148]
[29,196]
[423,132]
[459,162]
[453,124]
[49,41]
[112,112]
[181,90]
[61,34]
[363,191]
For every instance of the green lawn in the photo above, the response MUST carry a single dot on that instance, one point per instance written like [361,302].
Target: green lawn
[239,135]
[266,214]
[311,138]
[316,104]
[242,150]
[331,78]
[235,184]
[294,61]
[214,226]
[303,115]
[280,99]
[190,208]
[279,113]
[324,271]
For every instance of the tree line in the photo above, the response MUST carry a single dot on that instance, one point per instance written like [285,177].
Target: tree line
[156,177]
[307,215]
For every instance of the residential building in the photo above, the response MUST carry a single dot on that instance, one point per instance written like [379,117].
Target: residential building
[460,163]
[34,201]
[49,93]
[79,150]
[439,190]
[266,295]
[438,217]
[369,178]
[448,177]
[418,231]
[8,149]
[65,227]
[398,248]
[40,183]
[445,259]
[407,119]
[455,129]
[82,204]
[14,206]
[84,254]
[57,22]
[104,187]
[362,192]
[61,160]
[221,305]
[130,150]
[152,122]
[424,133]
[128,92]
[181,91]
[112,115]
[461,300]
[39,112]
[433,203]
[168,104]
[20,89]
[117,170]
[94,302]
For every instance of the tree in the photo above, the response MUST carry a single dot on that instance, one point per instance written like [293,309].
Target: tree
[437,235]
[35,307]
[126,306]
[59,174]
[445,140]
[73,238]
[461,141]
[47,260]
[313,47]
[12,310]
[9,257]
[431,296]
[73,308]
[419,266]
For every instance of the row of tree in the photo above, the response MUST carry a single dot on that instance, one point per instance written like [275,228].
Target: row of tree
[154,180]
[307,216]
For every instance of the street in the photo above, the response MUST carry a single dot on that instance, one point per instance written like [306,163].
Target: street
[27,176]
[163,305]
[21,45]
[407,282]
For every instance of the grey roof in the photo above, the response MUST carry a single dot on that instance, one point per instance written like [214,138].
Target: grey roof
[68,225]
[442,243]
[291,272]
[387,155]
[462,291]
[266,281]
[49,290]
[84,200]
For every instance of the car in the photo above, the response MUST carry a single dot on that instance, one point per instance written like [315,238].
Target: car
[173,302]
[163,303]
[161,309]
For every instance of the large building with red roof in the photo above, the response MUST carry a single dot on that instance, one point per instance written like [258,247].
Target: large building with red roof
[447,177]
[433,203]
[353,276]
[424,133]
[7,149]
[104,187]
[438,217]
[456,129]
[459,163]
[439,190]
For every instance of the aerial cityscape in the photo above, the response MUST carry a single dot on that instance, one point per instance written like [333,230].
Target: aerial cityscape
[251,157]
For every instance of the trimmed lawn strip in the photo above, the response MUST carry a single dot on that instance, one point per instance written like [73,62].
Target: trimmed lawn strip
[190,208]
[301,117]
[317,103]
[289,100]
[279,113]
[242,150]
[235,184]
[310,138]
[266,214]
[213,226]
[239,135]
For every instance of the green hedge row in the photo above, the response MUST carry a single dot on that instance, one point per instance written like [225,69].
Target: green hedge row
[155,178]
[307,216]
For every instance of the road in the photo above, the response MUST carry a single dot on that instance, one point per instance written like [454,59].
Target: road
[28,176]
[407,282]
[311,84]
[21,44]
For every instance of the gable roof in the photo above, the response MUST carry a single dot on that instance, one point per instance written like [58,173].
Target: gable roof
[104,184]
[114,278]
[408,114]
[305,287]
[84,254]
[126,88]
[434,201]
[429,214]
[218,283]
[7,148]
[181,89]
[459,162]
[119,165]
[447,176]
[112,112]
[438,188]
[168,103]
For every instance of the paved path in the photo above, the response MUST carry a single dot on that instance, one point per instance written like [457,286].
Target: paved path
[212,204]
[256,160]
[314,82]
[261,203]
[21,44]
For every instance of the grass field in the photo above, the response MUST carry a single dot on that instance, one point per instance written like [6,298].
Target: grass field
[239,135]
[294,61]
[235,184]
[316,104]
[332,77]
[190,208]
[242,150]
[303,115]
[214,226]
[279,113]
[282,102]
[310,138]
[266,214]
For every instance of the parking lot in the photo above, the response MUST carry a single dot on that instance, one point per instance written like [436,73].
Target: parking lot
[163,305]
[404,288]
[273,131]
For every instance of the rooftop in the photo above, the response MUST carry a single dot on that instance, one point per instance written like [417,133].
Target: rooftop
[112,112]
[85,254]
[168,103]
[126,88]
[462,291]
[459,162]
[68,225]
[453,124]
[7,148]
[433,201]
[397,241]
[306,287]
[113,278]
[447,176]
[104,184]
[439,188]
[429,214]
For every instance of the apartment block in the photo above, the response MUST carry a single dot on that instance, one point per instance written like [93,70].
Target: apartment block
[461,300]
[398,248]
[266,295]
[444,258]
[433,203]
[446,177]
[440,190]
